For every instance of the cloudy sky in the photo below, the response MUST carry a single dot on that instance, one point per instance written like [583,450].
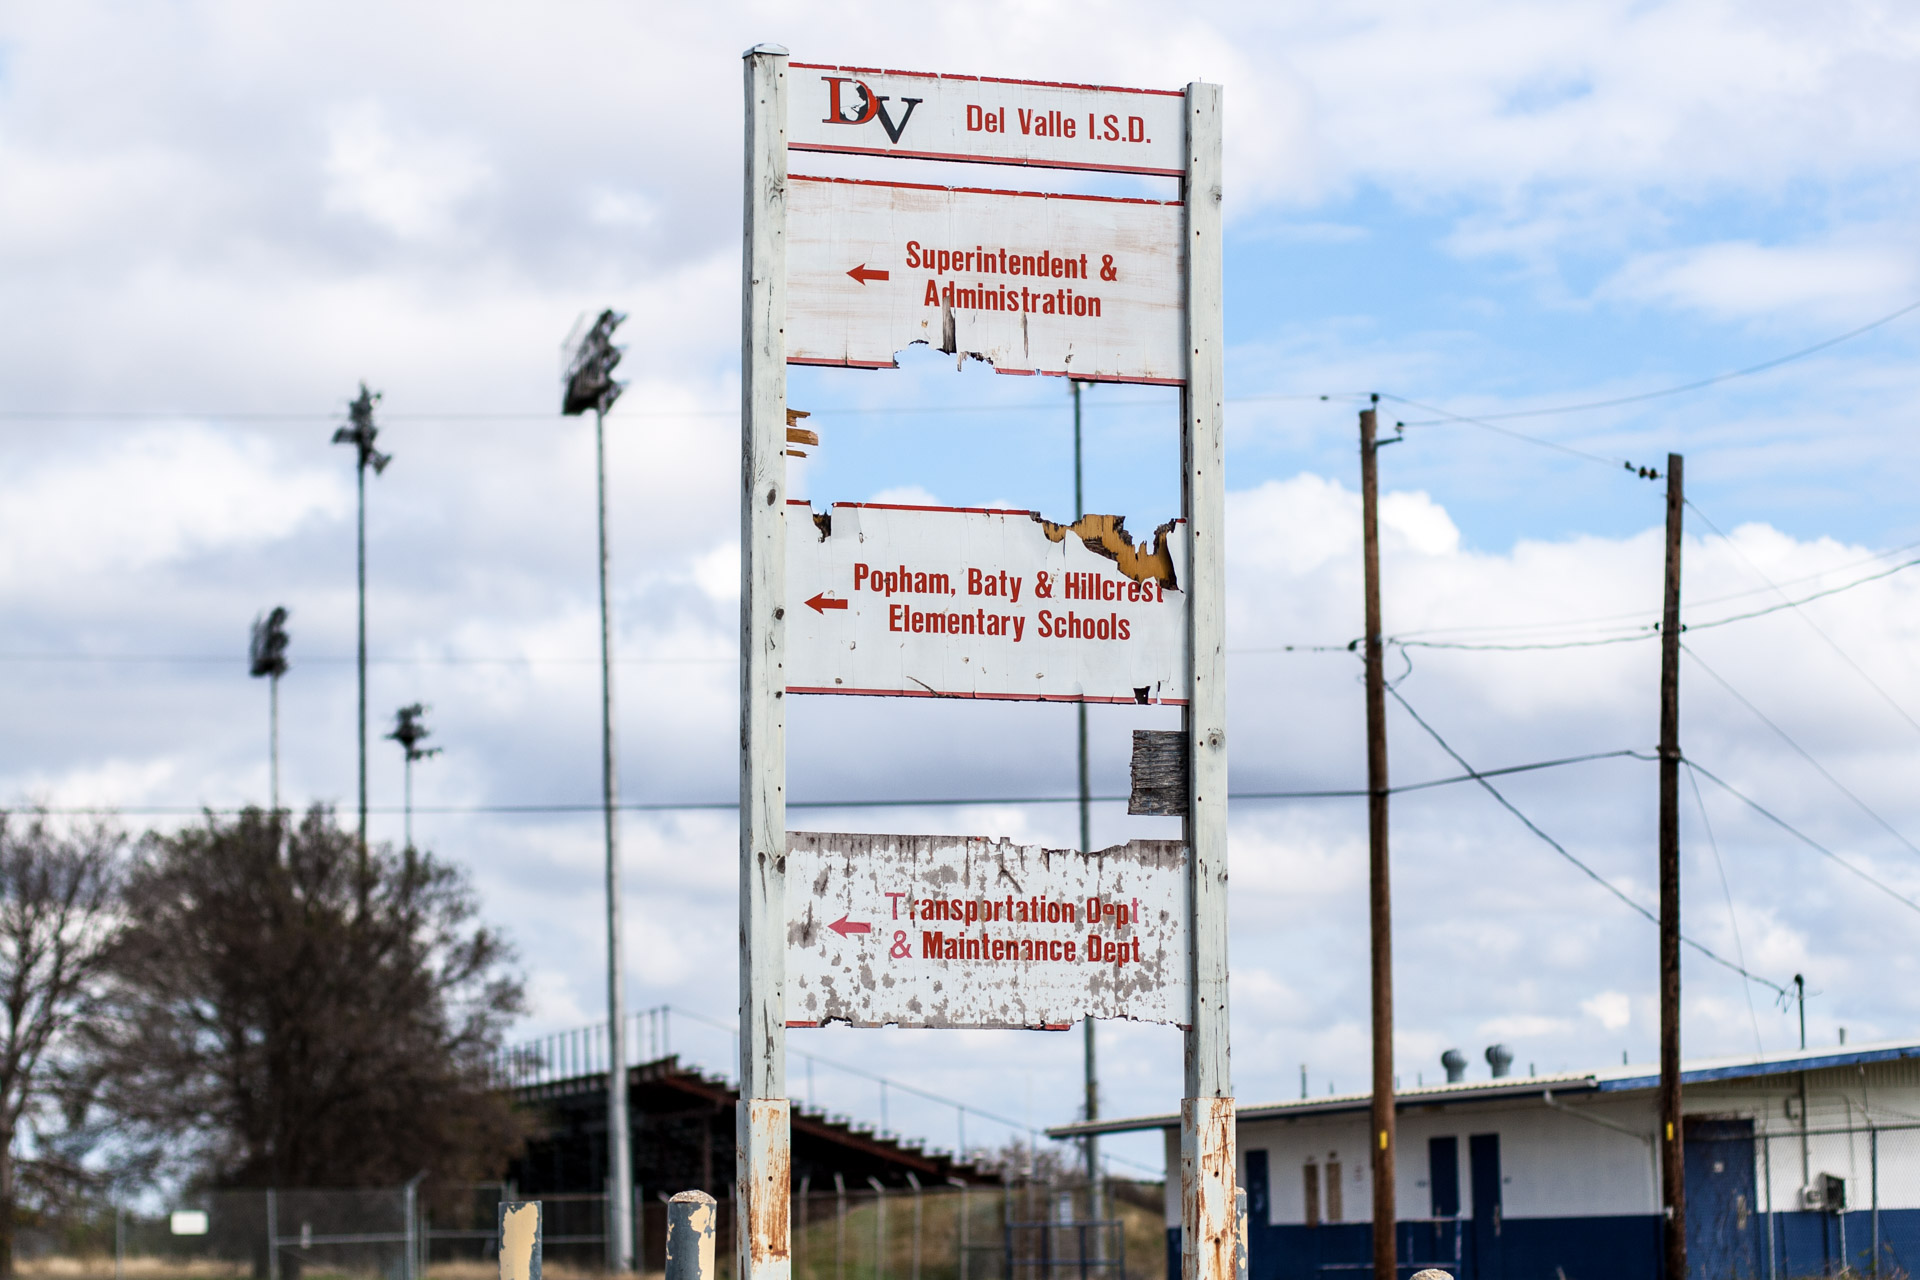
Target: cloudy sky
[216,218]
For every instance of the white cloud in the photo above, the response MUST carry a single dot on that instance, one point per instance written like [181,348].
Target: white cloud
[1611,1009]
[1738,279]
[157,496]
[410,187]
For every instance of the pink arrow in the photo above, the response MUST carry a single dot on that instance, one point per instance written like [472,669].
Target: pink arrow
[843,927]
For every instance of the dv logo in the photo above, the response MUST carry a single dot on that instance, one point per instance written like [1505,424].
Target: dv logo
[869,107]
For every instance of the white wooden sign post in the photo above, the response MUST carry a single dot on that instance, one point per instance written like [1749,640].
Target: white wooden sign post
[948,602]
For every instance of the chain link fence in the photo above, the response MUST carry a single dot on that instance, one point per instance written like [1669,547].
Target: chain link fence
[1829,1202]
[1037,1231]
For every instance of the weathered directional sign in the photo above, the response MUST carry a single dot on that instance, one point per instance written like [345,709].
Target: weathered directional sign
[947,931]
[955,602]
[1072,126]
[1082,285]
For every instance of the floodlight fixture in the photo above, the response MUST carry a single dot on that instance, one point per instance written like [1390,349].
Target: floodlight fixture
[267,654]
[360,431]
[409,732]
[267,657]
[590,385]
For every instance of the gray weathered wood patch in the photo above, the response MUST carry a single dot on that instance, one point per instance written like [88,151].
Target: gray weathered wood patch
[1160,774]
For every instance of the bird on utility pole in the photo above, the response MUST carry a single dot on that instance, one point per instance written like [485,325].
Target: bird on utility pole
[590,386]
[409,732]
[267,657]
[360,433]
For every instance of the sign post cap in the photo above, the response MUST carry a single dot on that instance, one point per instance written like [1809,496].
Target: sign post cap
[777,50]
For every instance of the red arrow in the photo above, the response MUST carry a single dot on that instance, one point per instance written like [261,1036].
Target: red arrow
[821,604]
[863,274]
[843,927]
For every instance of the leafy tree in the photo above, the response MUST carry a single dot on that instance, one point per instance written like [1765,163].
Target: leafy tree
[57,932]
[264,1028]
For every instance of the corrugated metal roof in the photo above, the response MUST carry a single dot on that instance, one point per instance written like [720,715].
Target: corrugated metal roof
[1615,1079]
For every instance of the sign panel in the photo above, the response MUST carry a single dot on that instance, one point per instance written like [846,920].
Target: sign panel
[1089,286]
[865,111]
[962,602]
[951,931]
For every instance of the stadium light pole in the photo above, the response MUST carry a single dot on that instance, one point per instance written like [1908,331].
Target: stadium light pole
[360,432]
[590,386]
[409,732]
[267,657]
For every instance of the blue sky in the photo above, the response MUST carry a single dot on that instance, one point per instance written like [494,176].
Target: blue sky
[216,222]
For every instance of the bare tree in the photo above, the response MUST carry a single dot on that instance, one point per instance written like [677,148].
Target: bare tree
[57,931]
[301,1015]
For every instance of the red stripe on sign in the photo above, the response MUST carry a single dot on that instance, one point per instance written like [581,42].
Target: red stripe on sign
[975,158]
[844,364]
[986,697]
[941,75]
[828,363]
[795,1023]
[903,506]
[981,191]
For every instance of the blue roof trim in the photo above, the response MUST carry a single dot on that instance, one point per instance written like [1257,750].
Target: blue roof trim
[1772,1067]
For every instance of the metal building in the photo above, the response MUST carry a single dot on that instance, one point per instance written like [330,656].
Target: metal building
[1796,1164]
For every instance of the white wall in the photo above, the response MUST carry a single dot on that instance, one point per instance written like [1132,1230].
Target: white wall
[1554,1163]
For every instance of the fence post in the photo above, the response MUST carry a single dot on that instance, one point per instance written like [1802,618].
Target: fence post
[1240,1233]
[520,1240]
[1873,1164]
[797,1229]
[963,1227]
[915,1184]
[840,1228]
[273,1237]
[639,1229]
[879,1228]
[413,1228]
[690,1232]
[119,1241]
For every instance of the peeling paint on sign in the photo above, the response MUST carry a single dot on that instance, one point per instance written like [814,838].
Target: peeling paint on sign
[953,931]
[957,602]
[866,111]
[1086,286]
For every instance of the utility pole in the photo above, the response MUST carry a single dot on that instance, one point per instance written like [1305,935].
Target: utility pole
[590,385]
[267,656]
[409,732]
[1673,1167]
[360,433]
[1086,846]
[1379,891]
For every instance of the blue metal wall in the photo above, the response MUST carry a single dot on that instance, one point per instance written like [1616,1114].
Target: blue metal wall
[1616,1248]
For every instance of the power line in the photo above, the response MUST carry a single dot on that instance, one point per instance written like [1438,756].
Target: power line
[1681,389]
[1733,918]
[1542,441]
[1806,755]
[1802,836]
[1818,630]
[1650,630]
[1691,603]
[1562,850]
[695,806]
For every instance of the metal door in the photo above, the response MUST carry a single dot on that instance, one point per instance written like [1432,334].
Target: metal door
[1723,1238]
[1483,1176]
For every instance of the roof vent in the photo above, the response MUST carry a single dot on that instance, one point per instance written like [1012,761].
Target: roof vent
[1456,1064]
[1500,1058]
